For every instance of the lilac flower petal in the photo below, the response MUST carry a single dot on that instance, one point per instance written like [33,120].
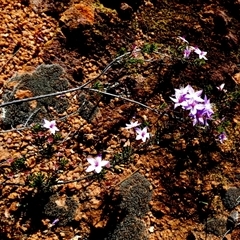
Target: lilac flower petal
[90,168]
[91,160]
[96,164]
[132,125]
[104,163]
[98,169]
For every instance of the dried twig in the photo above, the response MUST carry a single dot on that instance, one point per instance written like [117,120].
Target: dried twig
[123,180]
[11,184]
[34,112]
[117,59]
[124,98]
[60,182]
[65,91]
[15,129]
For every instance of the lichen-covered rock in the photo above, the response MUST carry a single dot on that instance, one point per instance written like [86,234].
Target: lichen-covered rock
[136,194]
[62,208]
[231,198]
[217,226]
[44,80]
[130,228]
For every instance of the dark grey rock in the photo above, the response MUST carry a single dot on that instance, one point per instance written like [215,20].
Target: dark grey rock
[44,80]
[217,226]
[231,198]
[65,213]
[131,228]
[136,194]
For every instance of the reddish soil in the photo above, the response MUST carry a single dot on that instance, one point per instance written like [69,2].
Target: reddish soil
[182,183]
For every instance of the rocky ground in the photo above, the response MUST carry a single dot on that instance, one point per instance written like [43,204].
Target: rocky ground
[125,59]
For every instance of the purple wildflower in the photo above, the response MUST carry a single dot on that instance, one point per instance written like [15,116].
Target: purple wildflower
[194,95]
[55,221]
[207,107]
[200,109]
[222,137]
[193,106]
[180,96]
[221,88]
[187,51]
[198,117]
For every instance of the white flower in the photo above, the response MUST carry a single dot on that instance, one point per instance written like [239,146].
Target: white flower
[142,134]
[221,88]
[201,54]
[96,164]
[51,125]
[132,125]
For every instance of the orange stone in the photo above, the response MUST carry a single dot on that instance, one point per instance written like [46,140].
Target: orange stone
[77,15]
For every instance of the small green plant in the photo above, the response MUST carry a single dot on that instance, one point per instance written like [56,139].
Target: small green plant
[163,106]
[98,85]
[223,125]
[145,124]
[37,180]
[37,127]
[134,61]
[57,136]
[121,51]
[149,48]
[199,62]
[18,164]
[41,181]
[123,157]
[62,163]
[235,95]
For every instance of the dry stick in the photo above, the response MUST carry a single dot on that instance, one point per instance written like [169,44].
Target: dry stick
[81,87]
[77,88]
[34,112]
[124,98]
[71,181]
[127,177]
[226,233]
[229,230]
[14,129]
[65,91]
[56,183]
[11,184]
[91,175]
[45,95]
